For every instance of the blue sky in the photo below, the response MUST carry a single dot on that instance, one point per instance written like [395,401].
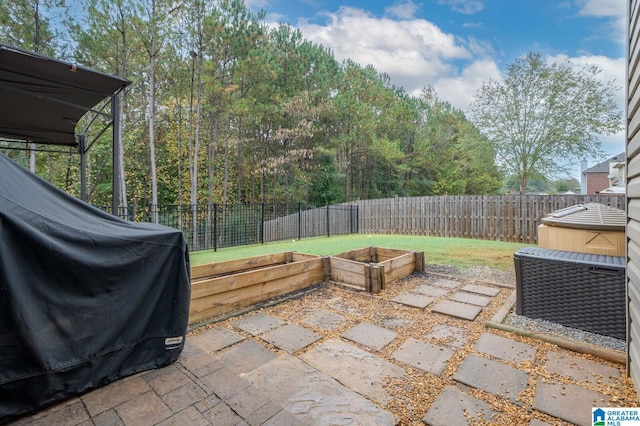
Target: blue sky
[456,45]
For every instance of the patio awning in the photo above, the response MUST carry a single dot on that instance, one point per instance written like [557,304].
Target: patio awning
[42,99]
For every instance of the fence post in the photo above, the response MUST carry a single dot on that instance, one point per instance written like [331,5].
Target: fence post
[377,278]
[299,221]
[419,260]
[328,230]
[262,224]
[326,268]
[351,219]
[215,226]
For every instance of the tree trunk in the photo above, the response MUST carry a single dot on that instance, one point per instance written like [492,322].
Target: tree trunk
[152,141]
[523,184]
[32,158]
[120,118]
[240,161]
[36,48]
[196,150]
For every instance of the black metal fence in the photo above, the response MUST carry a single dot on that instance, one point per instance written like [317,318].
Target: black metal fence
[215,226]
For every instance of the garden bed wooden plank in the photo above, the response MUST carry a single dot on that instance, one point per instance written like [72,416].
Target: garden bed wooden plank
[234,266]
[398,267]
[219,297]
[240,280]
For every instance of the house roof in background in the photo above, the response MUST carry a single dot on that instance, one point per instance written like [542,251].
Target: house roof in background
[42,99]
[603,167]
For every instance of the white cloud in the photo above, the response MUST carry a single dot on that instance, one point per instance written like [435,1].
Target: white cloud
[403,10]
[473,25]
[256,4]
[460,89]
[614,11]
[480,48]
[414,52]
[602,8]
[468,7]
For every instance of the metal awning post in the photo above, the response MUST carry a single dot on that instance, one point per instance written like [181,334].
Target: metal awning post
[83,167]
[115,202]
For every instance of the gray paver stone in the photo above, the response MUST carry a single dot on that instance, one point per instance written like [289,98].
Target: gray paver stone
[64,414]
[452,336]
[396,323]
[108,418]
[216,338]
[414,300]
[430,290]
[249,401]
[581,370]
[492,377]
[283,418]
[114,394]
[206,404]
[442,282]
[325,320]
[343,306]
[503,348]
[262,414]
[245,356]
[312,397]
[536,422]
[166,379]
[457,309]
[184,396]
[453,407]
[189,416]
[424,356]
[358,369]
[225,383]
[568,402]
[471,298]
[481,289]
[221,414]
[370,335]
[146,409]
[197,361]
[257,323]
[291,337]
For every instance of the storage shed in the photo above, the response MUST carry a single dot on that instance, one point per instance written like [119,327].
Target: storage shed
[586,228]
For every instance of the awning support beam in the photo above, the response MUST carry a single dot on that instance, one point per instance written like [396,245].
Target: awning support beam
[115,116]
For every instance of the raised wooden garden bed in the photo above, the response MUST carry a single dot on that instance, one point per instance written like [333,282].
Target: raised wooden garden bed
[224,287]
[373,268]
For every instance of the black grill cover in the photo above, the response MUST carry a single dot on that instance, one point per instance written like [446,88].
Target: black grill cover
[85,298]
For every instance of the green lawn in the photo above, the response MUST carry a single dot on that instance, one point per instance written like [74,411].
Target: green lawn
[459,252]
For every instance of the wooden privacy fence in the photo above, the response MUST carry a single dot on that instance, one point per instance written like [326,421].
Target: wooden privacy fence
[513,218]
[313,222]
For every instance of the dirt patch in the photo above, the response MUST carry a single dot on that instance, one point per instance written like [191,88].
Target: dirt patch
[478,273]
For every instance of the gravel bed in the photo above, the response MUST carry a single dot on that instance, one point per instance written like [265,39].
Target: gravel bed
[527,323]
[543,326]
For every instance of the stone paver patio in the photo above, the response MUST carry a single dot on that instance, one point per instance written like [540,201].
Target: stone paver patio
[344,363]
